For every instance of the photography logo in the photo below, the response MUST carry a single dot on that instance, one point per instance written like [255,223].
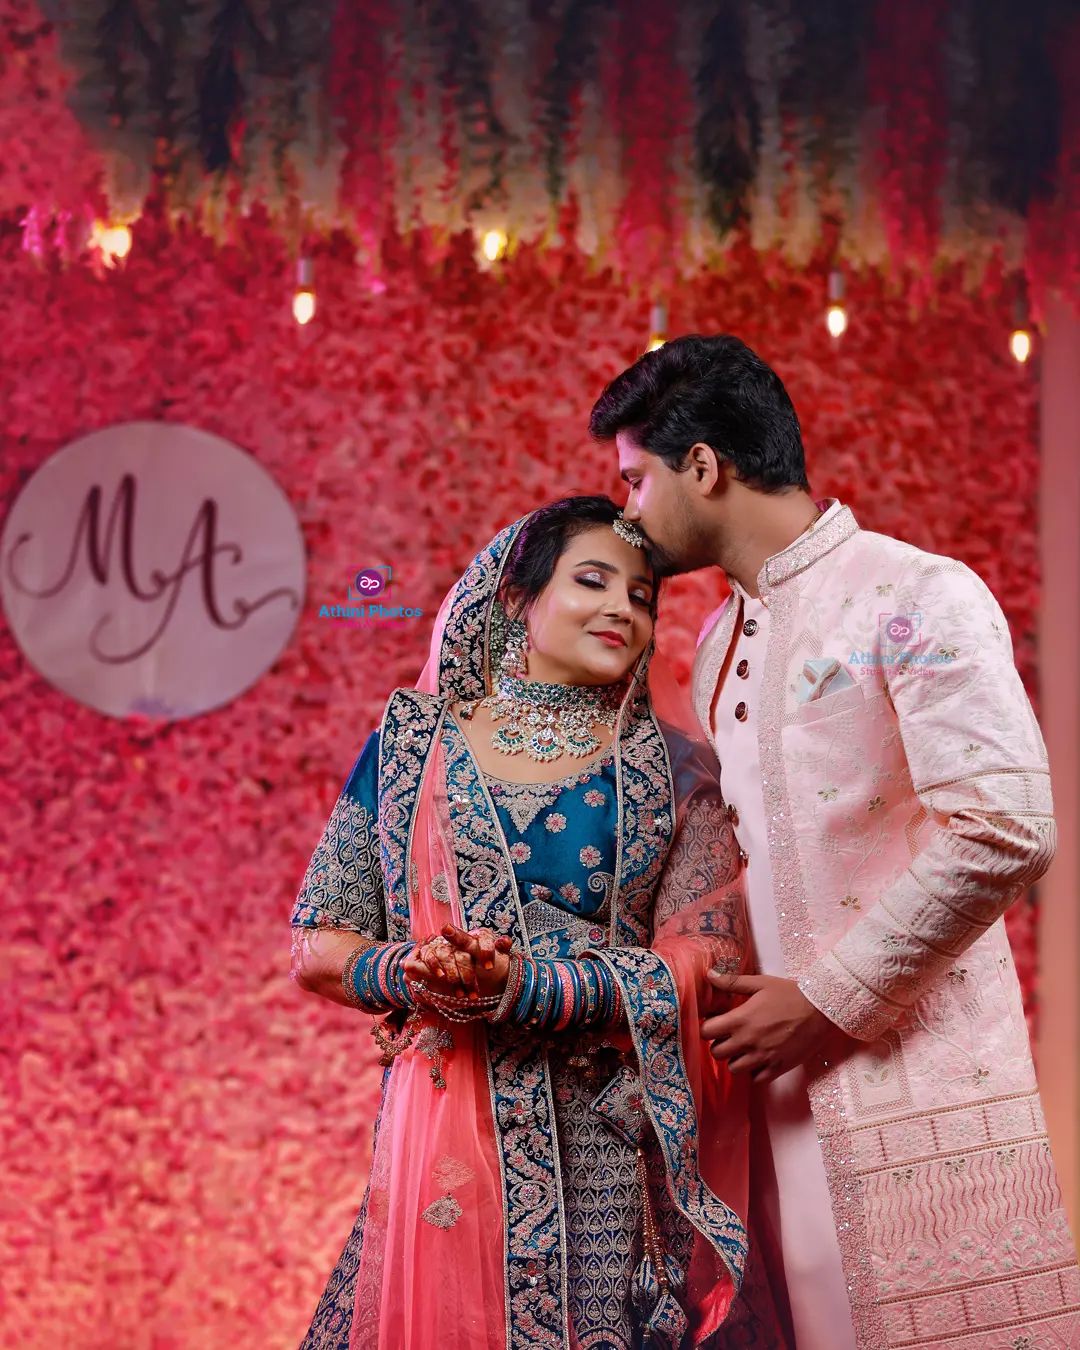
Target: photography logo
[900,630]
[364,596]
[902,644]
[371,582]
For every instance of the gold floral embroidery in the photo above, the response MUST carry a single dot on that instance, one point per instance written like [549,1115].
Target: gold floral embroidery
[957,1166]
[957,976]
[874,803]
[851,902]
[440,888]
[828,794]
[450,1172]
[443,1213]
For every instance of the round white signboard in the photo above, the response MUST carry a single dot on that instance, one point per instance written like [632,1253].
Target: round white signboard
[151,570]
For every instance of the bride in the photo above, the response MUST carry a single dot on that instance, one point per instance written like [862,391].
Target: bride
[525,879]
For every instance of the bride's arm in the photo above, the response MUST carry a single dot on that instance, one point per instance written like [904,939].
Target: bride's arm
[339,946]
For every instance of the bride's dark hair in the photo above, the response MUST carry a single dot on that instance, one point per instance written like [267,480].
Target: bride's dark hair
[543,539]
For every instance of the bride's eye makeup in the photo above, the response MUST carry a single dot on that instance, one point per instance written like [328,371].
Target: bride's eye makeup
[596,582]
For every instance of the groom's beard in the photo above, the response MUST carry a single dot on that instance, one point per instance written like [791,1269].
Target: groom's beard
[664,563]
[672,563]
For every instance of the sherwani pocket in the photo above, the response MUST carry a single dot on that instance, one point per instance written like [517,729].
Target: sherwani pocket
[842,700]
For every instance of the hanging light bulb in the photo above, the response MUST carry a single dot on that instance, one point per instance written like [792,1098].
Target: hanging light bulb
[1020,344]
[493,245]
[113,239]
[303,303]
[1020,338]
[836,319]
[657,326]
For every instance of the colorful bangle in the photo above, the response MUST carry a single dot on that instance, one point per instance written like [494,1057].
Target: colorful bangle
[514,980]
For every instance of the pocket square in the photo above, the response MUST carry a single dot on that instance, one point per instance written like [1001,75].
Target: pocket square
[821,675]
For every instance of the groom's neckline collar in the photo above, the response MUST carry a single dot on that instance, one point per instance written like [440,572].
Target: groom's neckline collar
[827,532]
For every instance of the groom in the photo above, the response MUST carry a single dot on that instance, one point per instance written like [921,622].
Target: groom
[888,784]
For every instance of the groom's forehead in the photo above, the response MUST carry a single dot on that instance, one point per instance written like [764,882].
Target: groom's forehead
[626,445]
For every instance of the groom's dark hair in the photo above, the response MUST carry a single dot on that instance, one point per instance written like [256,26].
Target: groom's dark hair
[709,389]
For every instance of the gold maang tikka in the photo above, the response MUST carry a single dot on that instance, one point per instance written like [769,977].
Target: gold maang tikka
[627,532]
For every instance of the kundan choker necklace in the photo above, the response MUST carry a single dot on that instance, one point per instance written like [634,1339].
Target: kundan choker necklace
[547,720]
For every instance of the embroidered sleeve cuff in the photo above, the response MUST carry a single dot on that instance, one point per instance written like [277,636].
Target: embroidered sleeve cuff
[846,1002]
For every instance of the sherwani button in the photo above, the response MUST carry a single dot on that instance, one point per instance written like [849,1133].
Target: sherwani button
[742,669]
[740,712]
[744,857]
[750,627]
[732,814]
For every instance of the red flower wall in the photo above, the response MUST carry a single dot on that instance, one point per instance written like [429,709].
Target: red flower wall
[187,1133]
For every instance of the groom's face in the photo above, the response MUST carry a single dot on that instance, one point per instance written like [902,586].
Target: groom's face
[660,504]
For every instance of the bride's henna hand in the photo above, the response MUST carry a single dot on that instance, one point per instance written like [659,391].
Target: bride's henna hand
[489,953]
[443,968]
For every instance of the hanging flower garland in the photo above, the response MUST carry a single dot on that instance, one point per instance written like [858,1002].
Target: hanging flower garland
[906,84]
[365,114]
[650,105]
[1054,253]
[925,133]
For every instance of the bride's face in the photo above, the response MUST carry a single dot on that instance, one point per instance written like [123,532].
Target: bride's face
[593,619]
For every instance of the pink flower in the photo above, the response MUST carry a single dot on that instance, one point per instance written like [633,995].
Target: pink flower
[594,797]
[570,892]
[555,822]
[590,856]
[520,853]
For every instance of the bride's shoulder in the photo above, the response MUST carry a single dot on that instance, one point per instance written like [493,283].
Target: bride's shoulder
[406,703]
[689,752]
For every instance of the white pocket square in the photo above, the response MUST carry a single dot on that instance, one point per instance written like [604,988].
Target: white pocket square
[821,676]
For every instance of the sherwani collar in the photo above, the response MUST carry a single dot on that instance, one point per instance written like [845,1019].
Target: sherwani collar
[835,526]
[831,530]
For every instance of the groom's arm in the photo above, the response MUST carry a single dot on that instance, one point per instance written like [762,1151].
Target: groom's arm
[978,764]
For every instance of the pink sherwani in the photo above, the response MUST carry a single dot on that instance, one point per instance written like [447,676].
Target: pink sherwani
[889,785]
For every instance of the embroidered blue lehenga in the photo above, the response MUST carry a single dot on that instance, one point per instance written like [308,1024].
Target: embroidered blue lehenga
[619,1222]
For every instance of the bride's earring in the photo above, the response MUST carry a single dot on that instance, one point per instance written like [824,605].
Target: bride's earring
[515,655]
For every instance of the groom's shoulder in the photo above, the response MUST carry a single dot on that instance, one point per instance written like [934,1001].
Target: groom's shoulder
[882,558]
[889,551]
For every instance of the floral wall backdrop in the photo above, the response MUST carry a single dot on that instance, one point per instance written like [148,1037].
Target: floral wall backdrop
[186,1134]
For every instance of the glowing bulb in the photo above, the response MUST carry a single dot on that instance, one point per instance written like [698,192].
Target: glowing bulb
[493,245]
[303,306]
[836,320]
[114,241]
[1020,345]
[657,325]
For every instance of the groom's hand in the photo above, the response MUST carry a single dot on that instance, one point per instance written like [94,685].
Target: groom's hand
[776,1028]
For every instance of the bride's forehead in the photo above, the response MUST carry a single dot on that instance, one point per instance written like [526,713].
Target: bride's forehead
[612,552]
